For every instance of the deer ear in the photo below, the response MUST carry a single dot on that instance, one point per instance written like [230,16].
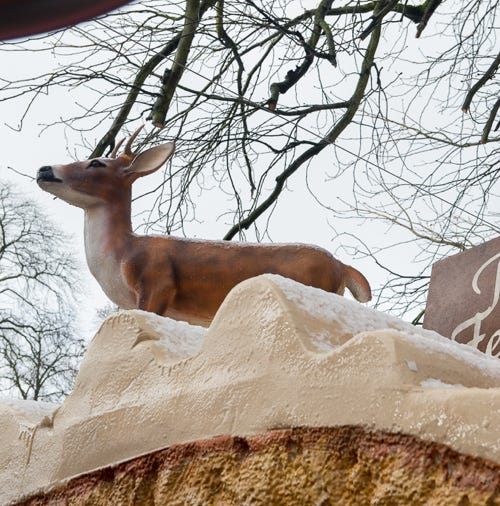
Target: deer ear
[151,160]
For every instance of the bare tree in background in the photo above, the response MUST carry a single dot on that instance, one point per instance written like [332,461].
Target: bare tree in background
[39,352]
[395,98]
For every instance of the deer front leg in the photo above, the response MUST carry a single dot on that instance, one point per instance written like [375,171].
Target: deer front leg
[156,300]
[153,286]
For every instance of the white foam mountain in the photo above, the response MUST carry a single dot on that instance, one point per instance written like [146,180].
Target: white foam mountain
[278,354]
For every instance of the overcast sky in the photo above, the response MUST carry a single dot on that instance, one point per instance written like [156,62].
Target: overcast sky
[298,218]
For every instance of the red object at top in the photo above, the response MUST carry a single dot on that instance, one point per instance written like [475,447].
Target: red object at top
[21,18]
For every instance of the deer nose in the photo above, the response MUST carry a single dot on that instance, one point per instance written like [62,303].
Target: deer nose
[46,173]
[45,170]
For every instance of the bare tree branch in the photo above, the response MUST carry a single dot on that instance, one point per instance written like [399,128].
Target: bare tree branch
[330,138]
[480,83]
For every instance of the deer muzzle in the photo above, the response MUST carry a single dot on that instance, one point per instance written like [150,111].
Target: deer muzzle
[46,175]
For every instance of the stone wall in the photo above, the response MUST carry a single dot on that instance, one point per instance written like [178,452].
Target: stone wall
[309,466]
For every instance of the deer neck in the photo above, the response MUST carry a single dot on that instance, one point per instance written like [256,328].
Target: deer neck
[108,241]
[108,232]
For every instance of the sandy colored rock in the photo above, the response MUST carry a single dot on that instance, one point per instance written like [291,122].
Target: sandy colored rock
[277,355]
[328,466]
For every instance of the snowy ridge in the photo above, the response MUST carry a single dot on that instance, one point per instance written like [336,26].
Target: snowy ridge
[356,318]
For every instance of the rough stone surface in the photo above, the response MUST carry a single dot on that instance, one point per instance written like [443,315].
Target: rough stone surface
[325,466]
[277,355]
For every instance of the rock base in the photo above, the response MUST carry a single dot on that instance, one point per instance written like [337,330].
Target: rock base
[277,355]
[302,466]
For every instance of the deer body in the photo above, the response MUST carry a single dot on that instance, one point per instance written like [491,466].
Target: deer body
[182,278]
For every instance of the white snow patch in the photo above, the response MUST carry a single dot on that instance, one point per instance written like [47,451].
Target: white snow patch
[322,341]
[437,383]
[180,338]
[29,409]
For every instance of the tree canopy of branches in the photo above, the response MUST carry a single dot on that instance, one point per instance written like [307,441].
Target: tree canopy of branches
[39,352]
[394,100]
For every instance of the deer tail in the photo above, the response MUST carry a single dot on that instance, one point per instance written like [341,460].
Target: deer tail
[357,284]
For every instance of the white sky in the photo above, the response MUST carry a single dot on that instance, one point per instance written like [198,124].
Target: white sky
[298,218]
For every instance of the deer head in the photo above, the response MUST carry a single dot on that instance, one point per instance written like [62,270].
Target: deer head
[103,180]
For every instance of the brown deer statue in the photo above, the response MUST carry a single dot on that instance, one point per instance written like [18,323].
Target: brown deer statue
[181,278]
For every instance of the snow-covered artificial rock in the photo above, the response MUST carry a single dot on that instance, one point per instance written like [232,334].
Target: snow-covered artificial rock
[278,354]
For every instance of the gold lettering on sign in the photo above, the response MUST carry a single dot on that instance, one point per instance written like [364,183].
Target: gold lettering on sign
[477,320]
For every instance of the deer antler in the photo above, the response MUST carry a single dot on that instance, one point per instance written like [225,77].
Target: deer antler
[116,148]
[128,147]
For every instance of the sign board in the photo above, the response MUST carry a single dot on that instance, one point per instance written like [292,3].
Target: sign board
[464,298]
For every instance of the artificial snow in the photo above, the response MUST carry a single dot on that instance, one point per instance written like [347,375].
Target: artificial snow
[28,409]
[437,383]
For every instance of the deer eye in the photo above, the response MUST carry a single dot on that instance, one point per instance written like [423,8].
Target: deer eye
[96,163]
